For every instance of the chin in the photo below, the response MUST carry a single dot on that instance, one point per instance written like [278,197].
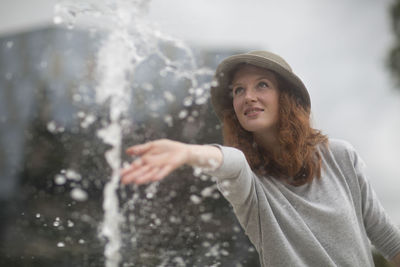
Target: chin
[258,128]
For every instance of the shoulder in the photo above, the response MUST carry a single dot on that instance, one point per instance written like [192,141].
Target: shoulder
[344,161]
[342,153]
[340,150]
[339,145]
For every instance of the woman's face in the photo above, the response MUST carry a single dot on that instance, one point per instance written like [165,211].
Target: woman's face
[256,99]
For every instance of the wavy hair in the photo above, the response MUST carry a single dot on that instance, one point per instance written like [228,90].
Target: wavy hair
[298,160]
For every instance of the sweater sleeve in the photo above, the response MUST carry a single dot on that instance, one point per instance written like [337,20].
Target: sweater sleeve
[234,176]
[382,232]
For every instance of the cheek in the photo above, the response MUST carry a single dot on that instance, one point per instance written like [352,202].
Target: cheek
[273,100]
[235,106]
[275,105]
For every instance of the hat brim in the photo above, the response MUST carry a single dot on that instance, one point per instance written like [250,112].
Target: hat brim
[220,93]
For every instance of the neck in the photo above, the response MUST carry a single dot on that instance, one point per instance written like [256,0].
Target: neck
[268,141]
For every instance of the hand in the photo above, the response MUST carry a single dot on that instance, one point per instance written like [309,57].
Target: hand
[156,160]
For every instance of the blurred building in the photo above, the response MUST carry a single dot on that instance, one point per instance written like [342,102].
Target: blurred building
[49,148]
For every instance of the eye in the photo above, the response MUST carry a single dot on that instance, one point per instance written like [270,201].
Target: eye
[238,90]
[263,85]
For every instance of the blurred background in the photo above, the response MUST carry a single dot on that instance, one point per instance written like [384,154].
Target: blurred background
[52,166]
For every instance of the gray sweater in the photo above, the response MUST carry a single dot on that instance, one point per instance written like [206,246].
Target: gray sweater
[328,222]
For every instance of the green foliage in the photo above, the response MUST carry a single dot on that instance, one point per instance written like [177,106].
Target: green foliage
[379,260]
[394,54]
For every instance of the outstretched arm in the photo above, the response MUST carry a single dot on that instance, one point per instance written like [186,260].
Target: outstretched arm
[159,158]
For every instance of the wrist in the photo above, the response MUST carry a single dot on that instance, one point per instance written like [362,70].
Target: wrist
[190,154]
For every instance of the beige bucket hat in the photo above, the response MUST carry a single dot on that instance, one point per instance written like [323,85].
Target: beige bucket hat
[220,93]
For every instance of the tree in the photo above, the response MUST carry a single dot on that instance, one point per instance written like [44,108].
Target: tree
[394,54]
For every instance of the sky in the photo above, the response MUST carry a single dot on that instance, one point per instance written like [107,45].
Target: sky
[338,48]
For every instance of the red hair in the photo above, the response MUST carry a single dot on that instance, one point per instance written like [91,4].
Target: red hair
[298,160]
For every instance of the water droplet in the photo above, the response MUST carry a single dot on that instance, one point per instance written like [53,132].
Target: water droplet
[213,252]
[179,261]
[195,113]
[206,217]
[43,64]
[81,114]
[197,171]
[173,193]
[208,191]
[163,73]
[70,26]
[70,223]
[57,20]
[190,119]
[169,96]
[195,199]
[77,97]
[73,175]
[188,101]
[201,100]
[60,179]
[57,222]
[88,121]
[216,196]
[147,86]
[199,91]
[9,44]
[224,252]
[174,219]
[168,120]
[79,194]
[51,126]
[206,244]
[182,114]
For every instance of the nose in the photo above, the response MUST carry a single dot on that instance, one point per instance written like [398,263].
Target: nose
[250,96]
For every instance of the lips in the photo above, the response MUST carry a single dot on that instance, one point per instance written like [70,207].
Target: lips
[252,111]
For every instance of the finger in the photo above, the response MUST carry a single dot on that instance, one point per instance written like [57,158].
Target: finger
[124,171]
[164,171]
[147,177]
[161,160]
[132,167]
[139,149]
[137,163]
[133,175]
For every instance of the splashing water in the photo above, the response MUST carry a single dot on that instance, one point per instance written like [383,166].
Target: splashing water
[130,40]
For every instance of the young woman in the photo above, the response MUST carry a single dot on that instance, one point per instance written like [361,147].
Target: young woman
[302,199]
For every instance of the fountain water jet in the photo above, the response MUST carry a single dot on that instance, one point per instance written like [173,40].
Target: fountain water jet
[130,39]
